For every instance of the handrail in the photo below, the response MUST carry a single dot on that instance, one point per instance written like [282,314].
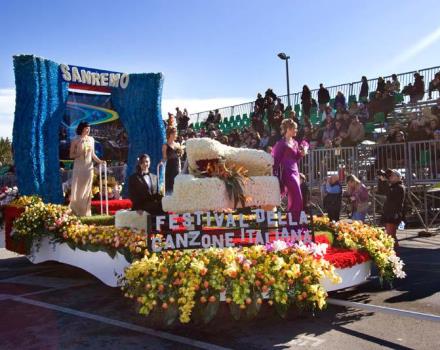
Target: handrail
[345,86]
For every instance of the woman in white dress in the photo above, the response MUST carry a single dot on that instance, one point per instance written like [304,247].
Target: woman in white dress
[82,150]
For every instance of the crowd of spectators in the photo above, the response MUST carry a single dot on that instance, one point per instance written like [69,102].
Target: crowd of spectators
[336,122]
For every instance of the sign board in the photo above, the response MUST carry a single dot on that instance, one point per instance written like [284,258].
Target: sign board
[93,77]
[202,230]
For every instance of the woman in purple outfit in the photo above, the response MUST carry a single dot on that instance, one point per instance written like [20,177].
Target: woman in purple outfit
[287,152]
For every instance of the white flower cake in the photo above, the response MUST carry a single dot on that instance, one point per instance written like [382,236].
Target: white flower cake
[131,219]
[257,162]
[209,194]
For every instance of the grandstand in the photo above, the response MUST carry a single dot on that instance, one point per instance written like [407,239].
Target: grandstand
[418,160]
[348,89]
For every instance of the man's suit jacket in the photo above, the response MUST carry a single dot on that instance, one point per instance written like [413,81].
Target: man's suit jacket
[142,196]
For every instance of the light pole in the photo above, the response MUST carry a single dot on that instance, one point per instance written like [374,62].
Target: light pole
[284,57]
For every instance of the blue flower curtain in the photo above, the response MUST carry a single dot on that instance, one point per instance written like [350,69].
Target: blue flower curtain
[41,97]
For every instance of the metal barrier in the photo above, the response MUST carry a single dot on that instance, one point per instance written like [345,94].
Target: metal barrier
[424,161]
[418,162]
[371,158]
[347,89]
[331,161]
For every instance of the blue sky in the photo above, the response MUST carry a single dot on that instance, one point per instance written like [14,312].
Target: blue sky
[214,53]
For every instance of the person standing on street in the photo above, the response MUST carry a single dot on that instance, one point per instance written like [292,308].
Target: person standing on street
[393,207]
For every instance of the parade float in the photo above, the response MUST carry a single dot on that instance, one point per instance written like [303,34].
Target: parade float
[222,242]
[187,263]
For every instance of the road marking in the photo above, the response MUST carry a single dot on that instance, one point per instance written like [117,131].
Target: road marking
[389,310]
[121,324]
[304,340]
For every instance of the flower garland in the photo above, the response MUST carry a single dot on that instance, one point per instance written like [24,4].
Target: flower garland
[193,278]
[359,236]
[41,219]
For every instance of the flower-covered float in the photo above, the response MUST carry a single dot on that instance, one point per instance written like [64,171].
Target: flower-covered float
[200,256]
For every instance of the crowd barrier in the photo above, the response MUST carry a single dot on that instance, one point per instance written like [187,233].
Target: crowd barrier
[348,89]
[418,162]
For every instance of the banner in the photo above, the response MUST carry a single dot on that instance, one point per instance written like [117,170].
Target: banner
[93,77]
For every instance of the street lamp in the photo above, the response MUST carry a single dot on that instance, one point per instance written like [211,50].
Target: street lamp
[284,57]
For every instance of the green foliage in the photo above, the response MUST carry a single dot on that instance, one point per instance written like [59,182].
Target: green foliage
[98,220]
[5,151]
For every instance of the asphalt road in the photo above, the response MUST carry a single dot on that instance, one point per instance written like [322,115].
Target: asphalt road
[54,306]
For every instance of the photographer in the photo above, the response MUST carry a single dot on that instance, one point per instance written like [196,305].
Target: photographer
[393,207]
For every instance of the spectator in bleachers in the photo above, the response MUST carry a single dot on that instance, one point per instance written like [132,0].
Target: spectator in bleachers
[271,94]
[353,109]
[323,97]
[418,89]
[306,102]
[279,106]
[415,131]
[328,134]
[292,115]
[184,120]
[434,84]
[363,94]
[307,133]
[210,118]
[217,117]
[389,87]
[363,112]
[339,101]
[257,122]
[270,109]
[328,112]
[355,132]
[345,120]
[276,121]
[179,114]
[259,102]
[395,84]
[407,90]
[380,85]
[264,140]
[273,139]
[339,127]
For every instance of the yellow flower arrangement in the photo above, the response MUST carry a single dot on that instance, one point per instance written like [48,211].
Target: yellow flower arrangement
[197,277]
[378,244]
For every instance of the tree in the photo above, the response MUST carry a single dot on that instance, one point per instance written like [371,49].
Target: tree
[5,151]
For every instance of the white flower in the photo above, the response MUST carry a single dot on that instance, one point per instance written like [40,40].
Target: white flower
[257,162]
[312,248]
[279,245]
[397,265]
[209,194]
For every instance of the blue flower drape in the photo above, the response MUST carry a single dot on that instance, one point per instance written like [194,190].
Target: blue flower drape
[41,97]
[139,107]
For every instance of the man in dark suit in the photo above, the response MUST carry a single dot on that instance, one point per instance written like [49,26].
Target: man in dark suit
[142,188]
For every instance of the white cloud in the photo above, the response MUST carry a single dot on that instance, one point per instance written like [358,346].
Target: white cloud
[417,48]
[7,108]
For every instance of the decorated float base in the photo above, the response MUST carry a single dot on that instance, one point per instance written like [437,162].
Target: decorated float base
[108,270]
